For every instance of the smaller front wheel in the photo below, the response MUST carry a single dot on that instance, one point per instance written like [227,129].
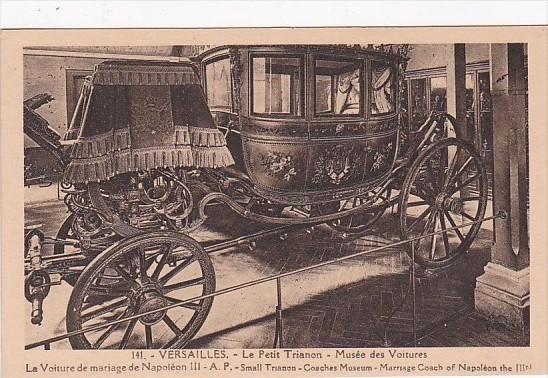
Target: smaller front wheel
[139,275]
[445,187]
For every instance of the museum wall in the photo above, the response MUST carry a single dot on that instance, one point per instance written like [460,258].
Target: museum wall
[126,50]
[436,55]
[47,74]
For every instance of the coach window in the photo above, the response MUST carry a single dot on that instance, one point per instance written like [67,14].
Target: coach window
[338,87]
[218,86]
[277,85]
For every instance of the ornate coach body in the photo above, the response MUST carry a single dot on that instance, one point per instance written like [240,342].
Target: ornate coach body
[296,136]
[315,123]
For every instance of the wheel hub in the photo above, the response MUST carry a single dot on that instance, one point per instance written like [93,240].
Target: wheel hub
[452,204]
[149,299]
[152,302]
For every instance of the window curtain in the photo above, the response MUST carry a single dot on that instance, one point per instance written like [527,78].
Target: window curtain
[382,90]
[347,100]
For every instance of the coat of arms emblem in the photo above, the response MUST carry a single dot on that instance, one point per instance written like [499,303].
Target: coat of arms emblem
[337,165]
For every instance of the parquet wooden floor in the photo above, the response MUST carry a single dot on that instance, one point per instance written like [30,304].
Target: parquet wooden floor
[377,310]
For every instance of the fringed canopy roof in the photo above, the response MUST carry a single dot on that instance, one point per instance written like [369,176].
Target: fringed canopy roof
[135,116]
[144,73]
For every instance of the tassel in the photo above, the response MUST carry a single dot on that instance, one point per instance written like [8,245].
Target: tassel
[100,145]
[88,167]
[212,157]
[182,135]
[142,75]
[205,137]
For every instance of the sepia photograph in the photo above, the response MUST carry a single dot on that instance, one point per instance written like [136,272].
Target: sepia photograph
[274,201]
[277,195]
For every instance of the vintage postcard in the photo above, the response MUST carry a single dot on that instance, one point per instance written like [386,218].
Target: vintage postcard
[274,202]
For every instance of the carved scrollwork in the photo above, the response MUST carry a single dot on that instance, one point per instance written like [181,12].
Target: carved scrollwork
[339,129]
[381,156]
[382,126]
[344,129]
[236,69]
[403,51]
[284,131]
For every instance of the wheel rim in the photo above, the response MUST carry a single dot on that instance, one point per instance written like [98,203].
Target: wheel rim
[93,247]
[445,187]
[65,233]
[140,275]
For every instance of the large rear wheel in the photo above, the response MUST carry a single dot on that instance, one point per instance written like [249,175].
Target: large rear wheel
[445,187]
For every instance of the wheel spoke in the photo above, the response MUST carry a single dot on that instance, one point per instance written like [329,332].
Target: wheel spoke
[468,216]
[142,266]
[462,184]
[434,237]
[420,218]
[127,334]
[189,305]
[104,310]
[472,198]
[176,270]
[109,331]
[148,336]
[133,262]
[350,219]
[171,324]
[150,260]
[162,263]
[184,284]
[444,236]
[453,224]
[417,203]
[452,180]
[426,227]
[125,275]
[451,169]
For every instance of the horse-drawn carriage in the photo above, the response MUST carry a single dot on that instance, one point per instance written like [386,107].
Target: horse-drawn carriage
[286,135]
